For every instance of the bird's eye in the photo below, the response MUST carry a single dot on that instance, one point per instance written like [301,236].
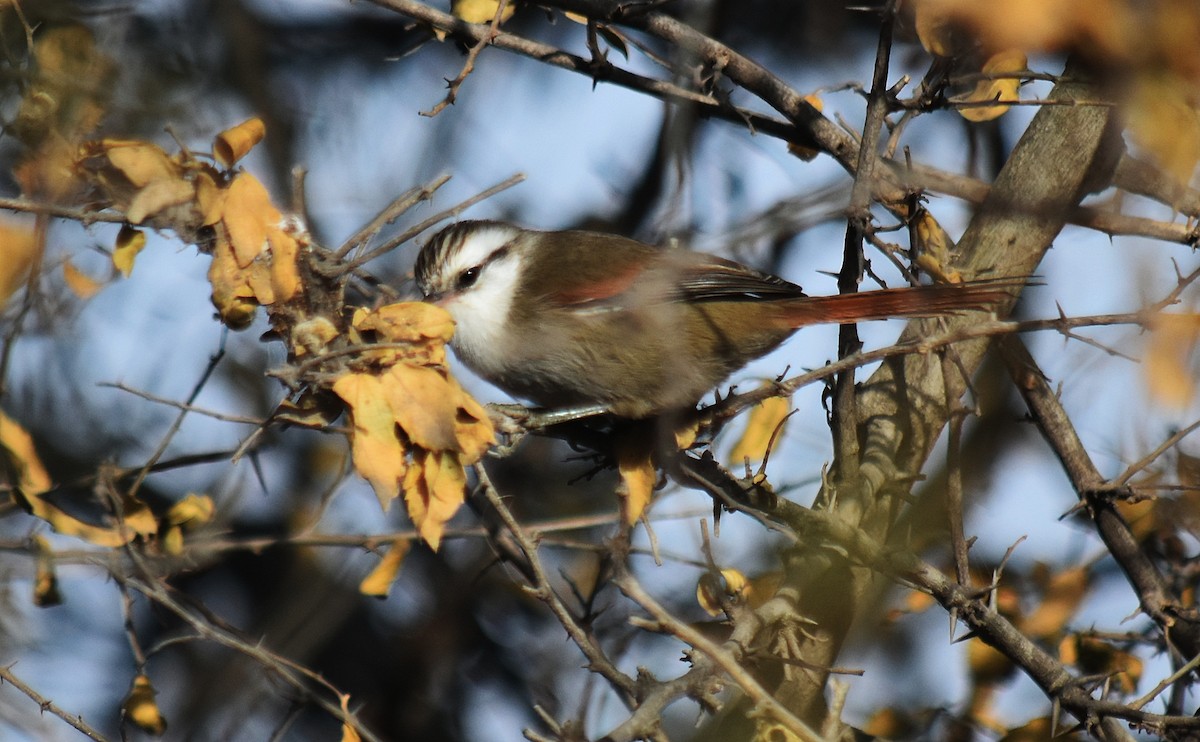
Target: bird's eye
[467,278]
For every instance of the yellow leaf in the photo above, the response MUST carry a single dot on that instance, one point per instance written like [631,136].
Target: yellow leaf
[1169,362]
[231,293]
[80,283]
[157,197]
[933,248]
[765,420]
[32,478]
[379,582]
[171,540]
[441,491]
[45,583]
[712,593]
[481,11]
[407,322]
[210,199]
[312,336]
[233,144]
[247,214]
[33,481]
[130,242]
[377,453]
[1006,89]
[1163,119]
[1095,656]
[799,150]
[285,275]
[473,429]
[141,709]
[933,28]
[193,510]
[141,163]
[424,404]
[1061,598]
[638,474]
[18,248]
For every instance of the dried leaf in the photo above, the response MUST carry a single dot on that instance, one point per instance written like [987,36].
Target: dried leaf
[142,163]
[130,242]
[45,582]
[231,292]
[1095,656]
[711,593]
[377,453]
[140,707]
[235,143]
[191,511]
[285,274]
[18,248]
[799,150]
[379,582]
[481,11]
[424,404]
[247,214]
[80,283]
[933,28]
[933,248]
[635,465]
[765,419]
[407,322]
[1164,120]
[1170,355]
[1001,90]
[32,478]
[1062,596]
[434,488]
[157,197]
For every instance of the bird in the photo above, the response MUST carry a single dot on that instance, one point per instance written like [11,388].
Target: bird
[576,319]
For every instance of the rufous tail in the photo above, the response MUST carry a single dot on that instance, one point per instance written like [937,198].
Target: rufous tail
[911,301]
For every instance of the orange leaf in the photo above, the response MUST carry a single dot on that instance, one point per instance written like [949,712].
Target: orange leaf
[285,276]
[445,489]
[766,418]
[231,292]
[638,474]
[424,404]
[141,163]
[130,242]
[379,582]
[233,144]
[378,454]
[1170,352]
[18,246]
[1062,596]
[32,478]
[141,708]
[408,322]
[1001,90]
[247,214]
[80,283]
[157,197]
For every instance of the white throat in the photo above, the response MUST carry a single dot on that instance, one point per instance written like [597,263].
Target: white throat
[481,312]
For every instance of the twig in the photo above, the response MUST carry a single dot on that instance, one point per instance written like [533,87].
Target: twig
[6,675]
[597,660]
[469,64]
[390,213]
[411,232]
[729,663]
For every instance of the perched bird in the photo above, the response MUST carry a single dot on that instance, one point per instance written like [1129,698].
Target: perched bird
[578,318]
